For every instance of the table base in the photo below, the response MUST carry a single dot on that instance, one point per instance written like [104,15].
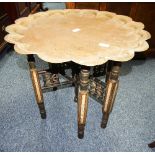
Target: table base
[85,82]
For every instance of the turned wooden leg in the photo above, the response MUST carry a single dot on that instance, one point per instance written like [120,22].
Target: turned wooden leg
[108,69]
[83,101]
[36,86]
[111,90]
[75,75]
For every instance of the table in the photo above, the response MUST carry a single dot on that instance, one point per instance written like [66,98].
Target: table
[80,40]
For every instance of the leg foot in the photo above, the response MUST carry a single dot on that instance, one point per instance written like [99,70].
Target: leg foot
[81,131]
[42,110]
[104,120]
[151,145]
[43,115]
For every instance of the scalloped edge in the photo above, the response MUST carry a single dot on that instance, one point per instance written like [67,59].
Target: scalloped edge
[22,48]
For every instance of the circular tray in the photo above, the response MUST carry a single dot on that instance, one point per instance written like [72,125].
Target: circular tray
[87,37]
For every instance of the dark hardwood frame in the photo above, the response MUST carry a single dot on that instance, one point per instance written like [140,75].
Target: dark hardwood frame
[84,83]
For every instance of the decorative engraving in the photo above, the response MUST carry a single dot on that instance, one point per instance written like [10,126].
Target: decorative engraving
[97,89]
[109,36]
[50,79]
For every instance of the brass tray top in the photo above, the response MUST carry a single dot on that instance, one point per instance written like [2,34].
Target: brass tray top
[87,37]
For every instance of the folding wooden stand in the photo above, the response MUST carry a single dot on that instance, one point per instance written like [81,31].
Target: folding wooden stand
[86,83]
